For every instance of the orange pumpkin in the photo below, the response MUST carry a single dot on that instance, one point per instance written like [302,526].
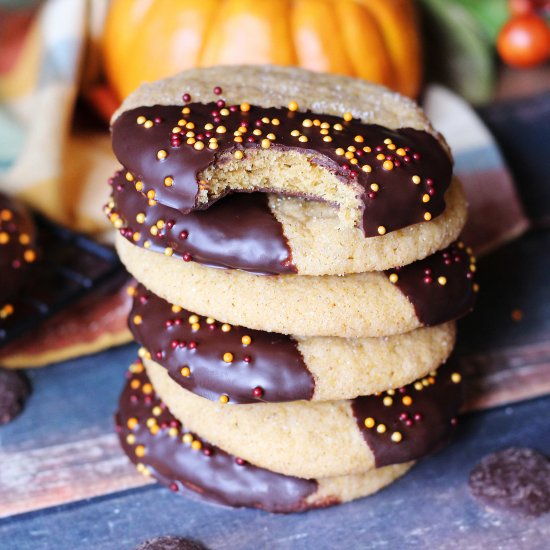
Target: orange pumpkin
[378,40]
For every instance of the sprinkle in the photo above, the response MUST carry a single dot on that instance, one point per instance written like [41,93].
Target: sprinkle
[427,216]
[138,319]
[210,320]
[407,400]
[245,107]
[328,139]
[295,133]
[168,251]
[224,399]
[140,450]
[381,428]
[387,165]
[388,401]
[442,280]
[187,438]
[129,177]
[307,123]
[141,119]
[416,180]
[303,139]
[199,145]
[394,278]
[162,154]
[369,422]
[425,197]
[226,327]
[221,129]
[130,439]
[339,151]
[381,230]
[347,117]
[366,168]
[396,437]
[456,378]
[228,357]
[246,340]
[196,445]
[148,124]
[185,372]
[139,186]
[238,155]
[359,139]
[168,181]
[374,186]
[132,423]
[293,106]
[266,143]
[193,319]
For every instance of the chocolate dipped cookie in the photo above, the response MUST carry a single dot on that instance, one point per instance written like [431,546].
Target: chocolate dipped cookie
[370,156]
[323,439]
[162,447]
[435,290]
[214,359]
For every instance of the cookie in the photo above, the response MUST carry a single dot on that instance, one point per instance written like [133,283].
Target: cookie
[322,439]
[271,234]
[290,131]
[212,359]
[429,292]
[160,446]
[516,480]
[14,390]
[93,324]
[17,250]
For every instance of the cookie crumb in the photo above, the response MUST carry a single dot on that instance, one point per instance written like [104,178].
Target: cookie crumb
[14,390]
[170,543]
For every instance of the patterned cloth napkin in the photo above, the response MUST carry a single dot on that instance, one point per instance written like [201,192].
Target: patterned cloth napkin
[49,56]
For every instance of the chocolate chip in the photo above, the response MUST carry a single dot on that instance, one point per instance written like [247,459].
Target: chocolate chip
[14,390]
[514,479]
[170,543]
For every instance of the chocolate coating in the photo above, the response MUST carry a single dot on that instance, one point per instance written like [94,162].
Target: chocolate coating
[397,203]
[441,287]
[170,543]
[197,467]
[514,479]
[17,237]
[422,413]
[14,390]
[270,368]
[237,232]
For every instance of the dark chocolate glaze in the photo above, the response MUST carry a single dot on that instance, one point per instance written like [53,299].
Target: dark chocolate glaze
[206,471]
[424,424]
[238,232]
[437,300]
[17,236]
[397,203]
[269,369]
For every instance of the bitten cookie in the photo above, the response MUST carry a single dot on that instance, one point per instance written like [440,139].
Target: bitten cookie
[17,250]
[188,140]
[322,439]
[428,292]
[160,446]
[212,359]
[271,234]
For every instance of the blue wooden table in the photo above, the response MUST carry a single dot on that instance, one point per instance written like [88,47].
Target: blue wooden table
[64,484]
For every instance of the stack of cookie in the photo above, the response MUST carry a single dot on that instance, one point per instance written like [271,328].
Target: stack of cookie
[294,238]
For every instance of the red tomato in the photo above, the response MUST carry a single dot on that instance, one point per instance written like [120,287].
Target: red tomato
[524,41]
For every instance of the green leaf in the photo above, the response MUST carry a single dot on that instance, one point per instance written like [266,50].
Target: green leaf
[490,15]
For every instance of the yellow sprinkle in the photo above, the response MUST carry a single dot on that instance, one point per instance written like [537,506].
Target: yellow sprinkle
[187,438]
[425,197]
[139,186]
[381,230]
[442,280]
[195,326]
[148,124]
[132,423]
[228,357]
[210,320]
[226,327]
[168,251]
[151,422]
[394,278]
[224,112]
[475,287]
[245,107]
[138,319]
[185,372]
[266,144]
[257,132]
[381,428]
[221,130]
[196,445]
[359,139]
[366,168]
[151,194]
[328,139]
[391,147]
[401,152]
[246,340]
[193,319]
[4,237]
[349,155]
[162,154]
[293,106]
[130,439]
[416,180]
[141,119]
[275,122]
[388,401]
[136,236]
[347,117]
[176,309]
[307,123]
[154,230]
[396,437]
[140,450]
[129,177]
[199,145]
[238,155]
[387,165]
[427,216]
[456,378]
[140,218]
[295,133]
[369,422]
[156,410]
[224,399]
[340,151]
[271,136]
[147,389]
[374,186]
[407,400]
[303,139]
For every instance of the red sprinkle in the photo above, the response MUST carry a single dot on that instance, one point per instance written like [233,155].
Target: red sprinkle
[218,90]
[186,98]
[257,392]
